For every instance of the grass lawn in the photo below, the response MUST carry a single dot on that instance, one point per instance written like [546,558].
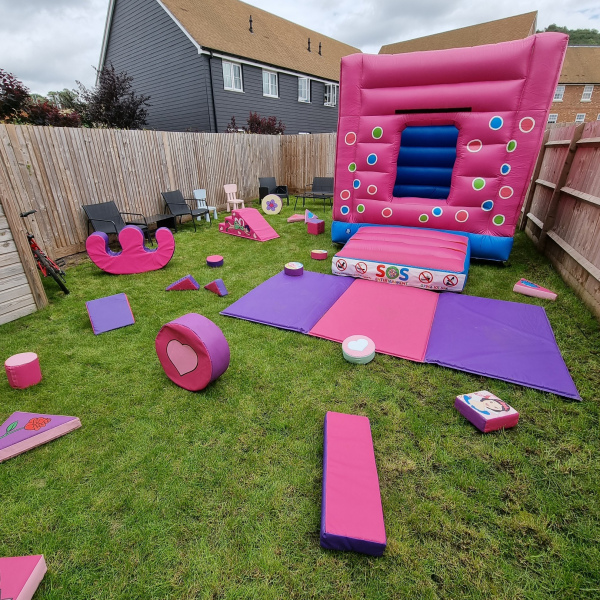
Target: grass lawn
[167,494]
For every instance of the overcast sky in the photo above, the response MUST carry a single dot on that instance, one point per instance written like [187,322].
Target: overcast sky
[49,44]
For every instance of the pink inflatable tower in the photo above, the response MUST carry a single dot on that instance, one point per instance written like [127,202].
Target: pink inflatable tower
[444,139]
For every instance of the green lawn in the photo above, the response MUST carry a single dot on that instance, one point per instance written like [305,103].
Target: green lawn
[167,494]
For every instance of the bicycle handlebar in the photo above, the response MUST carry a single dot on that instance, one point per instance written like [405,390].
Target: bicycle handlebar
[26,214]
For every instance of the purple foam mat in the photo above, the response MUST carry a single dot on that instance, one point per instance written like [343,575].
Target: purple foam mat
[495,338]
[294,303]
[110,312]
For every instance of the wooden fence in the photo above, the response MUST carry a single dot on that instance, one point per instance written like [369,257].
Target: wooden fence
[57,170]
[561,213]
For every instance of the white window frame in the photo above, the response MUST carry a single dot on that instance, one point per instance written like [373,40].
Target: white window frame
[598,117]
[232,67]
[304,98]
[587,93]
[559,93]
[580,118]
[270,89]
[552,117]
[331,89]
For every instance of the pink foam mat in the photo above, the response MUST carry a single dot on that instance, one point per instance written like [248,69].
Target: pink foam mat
[397,318]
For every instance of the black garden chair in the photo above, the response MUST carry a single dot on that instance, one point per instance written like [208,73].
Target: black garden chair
[179,207]
[321,189]
[106,217]
[267,185]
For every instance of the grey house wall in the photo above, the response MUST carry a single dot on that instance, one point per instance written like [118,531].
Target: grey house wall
[164,64]
[311,117]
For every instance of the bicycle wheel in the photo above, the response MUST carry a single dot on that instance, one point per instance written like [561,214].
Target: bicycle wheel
[55,273]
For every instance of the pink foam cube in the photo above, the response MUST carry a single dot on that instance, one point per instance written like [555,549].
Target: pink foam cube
[486,411]
[23,370]
[315,226]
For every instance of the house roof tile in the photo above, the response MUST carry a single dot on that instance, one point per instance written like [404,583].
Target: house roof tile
[581,66]
[223,25]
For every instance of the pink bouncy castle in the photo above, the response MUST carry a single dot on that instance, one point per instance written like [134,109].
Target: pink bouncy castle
[445,139]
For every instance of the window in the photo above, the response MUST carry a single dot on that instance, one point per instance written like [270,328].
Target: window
[270,84]
[598,117]
[580,118]
[303,89]
[331,94]
[553,118]
[559,93]
[232,76]
[587,93]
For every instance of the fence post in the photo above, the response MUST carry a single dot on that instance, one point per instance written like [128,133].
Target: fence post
[550,218]
[532,185]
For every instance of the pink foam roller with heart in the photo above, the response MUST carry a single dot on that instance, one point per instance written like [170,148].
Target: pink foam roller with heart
[23,370]
[193,351]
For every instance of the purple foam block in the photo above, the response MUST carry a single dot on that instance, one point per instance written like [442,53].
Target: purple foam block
[505,340]
[295,303]
[110,312]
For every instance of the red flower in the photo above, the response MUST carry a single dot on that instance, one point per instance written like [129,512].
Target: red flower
[36,423]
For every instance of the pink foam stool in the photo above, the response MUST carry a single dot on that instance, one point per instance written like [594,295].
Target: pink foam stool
[23,370]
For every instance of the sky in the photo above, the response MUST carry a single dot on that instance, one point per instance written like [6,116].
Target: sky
[51,44]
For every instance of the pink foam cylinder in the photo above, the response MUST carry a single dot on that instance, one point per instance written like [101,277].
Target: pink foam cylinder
[192,351]
[215,260]
[23,370]
[319,254]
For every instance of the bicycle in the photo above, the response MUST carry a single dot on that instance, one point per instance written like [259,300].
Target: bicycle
[45,264]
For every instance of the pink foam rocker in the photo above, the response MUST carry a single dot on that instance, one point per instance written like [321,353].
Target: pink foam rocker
[486,411]
[232,199]
[193,351]
[315,226]
[528,288]
[23,370]
[20,576]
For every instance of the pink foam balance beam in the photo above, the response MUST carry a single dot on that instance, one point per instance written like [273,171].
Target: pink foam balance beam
[486,411]
[351,512]
[23,370]
[20,576]
[527,288]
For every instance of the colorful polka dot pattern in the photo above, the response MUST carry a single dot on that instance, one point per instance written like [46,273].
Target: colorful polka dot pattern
[360,208]
[487,205]
[478,183]
[474,146]
[350,138]
[345,195]
[345,209]
[424,218]
[496,123]
[377,133]
[372,159]
[352,167]
[437,211]
[372,190]
[386,213]
[356,184]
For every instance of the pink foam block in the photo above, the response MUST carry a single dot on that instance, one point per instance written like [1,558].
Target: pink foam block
[193,351]
[23,431]
[486,411]
[217,287]
[295,218]
[527,288]
[20,576]
[185,283]
[134,256]
[248,223]
[23,370]
[351,512]
[315,226]
[216,260]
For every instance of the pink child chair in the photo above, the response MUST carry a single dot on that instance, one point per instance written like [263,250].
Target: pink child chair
[232,199]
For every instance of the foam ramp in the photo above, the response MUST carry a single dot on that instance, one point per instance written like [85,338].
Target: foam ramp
[20,576]
[351,512]
[248,223]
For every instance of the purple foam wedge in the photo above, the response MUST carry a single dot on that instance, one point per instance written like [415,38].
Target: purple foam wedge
[23,431]
[110,312]
[351,512]
[217,287]
[185,283]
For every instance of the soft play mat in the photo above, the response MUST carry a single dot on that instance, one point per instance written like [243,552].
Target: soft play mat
[494,338]
[424,258]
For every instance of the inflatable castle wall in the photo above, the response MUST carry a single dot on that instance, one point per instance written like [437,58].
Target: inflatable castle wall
[444,139]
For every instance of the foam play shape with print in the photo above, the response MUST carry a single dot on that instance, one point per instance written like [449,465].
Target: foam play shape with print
[110,312]
[308,215]
[351,511]
[486,411]
[20,576]
[217,287]
[358,349]
[134,257]
[193,351]
[271,204]
[185,283]
[23,431]
[445,139]
[248,223]
[528,288]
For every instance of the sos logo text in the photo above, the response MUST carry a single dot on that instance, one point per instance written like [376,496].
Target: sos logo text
[392,272]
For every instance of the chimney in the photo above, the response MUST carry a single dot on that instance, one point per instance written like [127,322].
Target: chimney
[309,44]
[320,49]
[251,24]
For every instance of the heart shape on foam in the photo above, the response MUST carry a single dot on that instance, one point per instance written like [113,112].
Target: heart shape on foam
[183,357]
[358,345]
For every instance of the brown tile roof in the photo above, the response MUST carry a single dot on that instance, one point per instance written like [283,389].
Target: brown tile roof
[582,65]
[223,25]
[493,32]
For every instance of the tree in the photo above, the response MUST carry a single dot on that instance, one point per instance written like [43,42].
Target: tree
[14,96]
[113,102]
[258,124]
[577,37]
[66,100]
